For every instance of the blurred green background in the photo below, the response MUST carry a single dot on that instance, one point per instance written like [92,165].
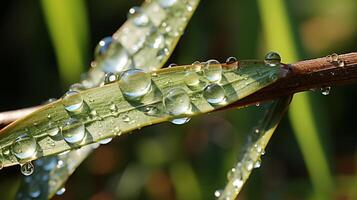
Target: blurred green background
[46,45]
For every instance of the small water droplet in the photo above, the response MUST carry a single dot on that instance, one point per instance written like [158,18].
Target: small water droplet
[110,78]
[102,47]
[231,60]
[237,183]
[272,59]
[105,141]
[60,164]
[156,41]
[325,90]
[214,94]
[72,101]
[138,17]
[151,110]
[213,70]
[73,131]
[172,65]
[135,83]
[218,193]
[24,147]
[180,121]
[230,173]
[341,63]
[257,104]
[177,102]
[126,118]
[116,60]
[257,163]
[162,53]
[27,169]
[249,165]
[61,191]
[34,190]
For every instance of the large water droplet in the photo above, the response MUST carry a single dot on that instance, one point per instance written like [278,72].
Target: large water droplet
[214,94]
[272,59]
[117,60]
[102,47]
[213,70]
[138,17]
[24,147]
[61,191]
[72,101]
[135,83]
[192,79]
[166,3]
[325,90]
[177,102]
[27,169]
[180,121]
[73,131]
[237,183]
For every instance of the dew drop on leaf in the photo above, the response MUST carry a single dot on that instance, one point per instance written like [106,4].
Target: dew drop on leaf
[272,59]
[105,141]
[61,191]
[177,102]
[72,101]
[27,169]
[214,94]
[73,131]
[102,47]
[135,83]
[166,3]
[213,70]
[138,17]
[110,77]
[325,90]
[181,120]
[191,78]
[231,60]
[24,147]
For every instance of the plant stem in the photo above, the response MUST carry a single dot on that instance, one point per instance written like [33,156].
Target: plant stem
[304,75]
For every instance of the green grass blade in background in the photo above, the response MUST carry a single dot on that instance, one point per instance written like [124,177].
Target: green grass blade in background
[68,27]
[279,37]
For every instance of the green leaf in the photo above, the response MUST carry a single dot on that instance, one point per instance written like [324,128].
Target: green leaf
[106,112]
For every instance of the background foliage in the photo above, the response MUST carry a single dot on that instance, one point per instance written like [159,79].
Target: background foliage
[167,161]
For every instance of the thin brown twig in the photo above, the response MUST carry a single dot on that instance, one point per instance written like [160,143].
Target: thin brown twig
[304,75]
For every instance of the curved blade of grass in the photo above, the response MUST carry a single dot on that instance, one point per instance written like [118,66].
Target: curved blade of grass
[255,148]
[67,25]
[280,37]
[107,122]
[169,17]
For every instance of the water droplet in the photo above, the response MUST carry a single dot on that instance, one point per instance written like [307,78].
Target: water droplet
[151,110]
[34,190]
[272,59]
[138,17]
[257,104]
[53,131]
[218,193]
[231,60]
[180,120]
[126,118]
[172,65]
[192,79]
[177,102]
[73,131]
[110,78]
[237,183]
[256,130]
[257,163]
[214,94]
[166,3]
[135,83]
[102,47]
[27,169]
[156,41]
[162,53]
[116,60]
[61,191]
[105,141]
[325,90]
[72,101]
[213,70]
[249,165]
[230,173]
[341,63]
[24,147]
